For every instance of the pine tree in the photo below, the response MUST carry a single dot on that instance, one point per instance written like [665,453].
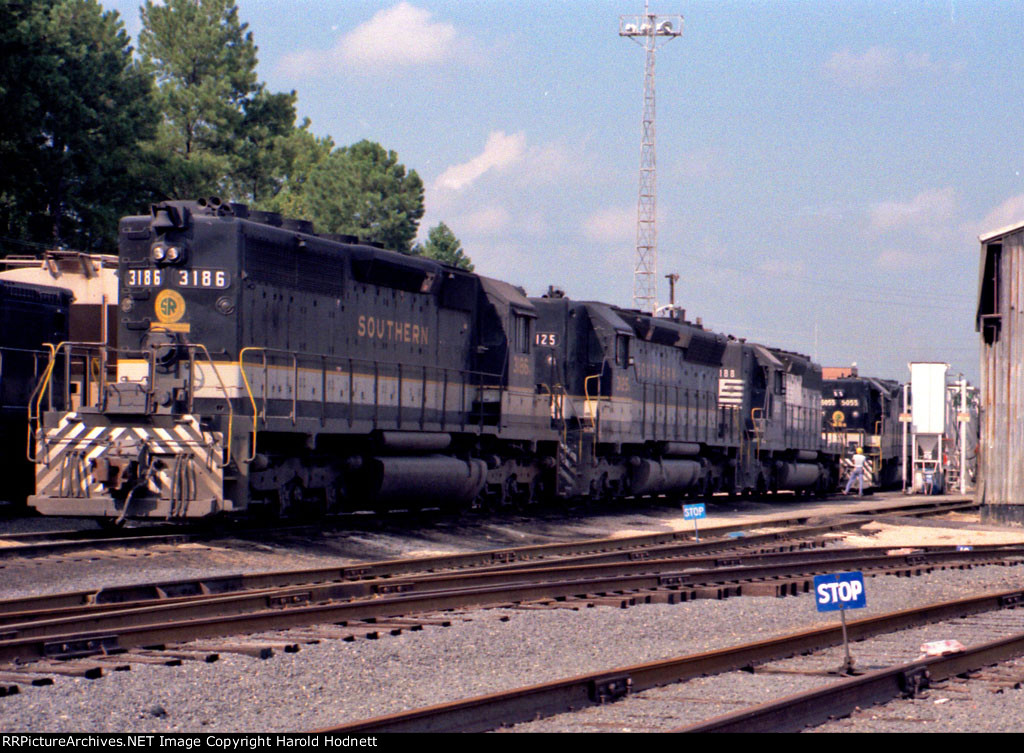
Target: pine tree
[220,129]
[74,107]
[443,246]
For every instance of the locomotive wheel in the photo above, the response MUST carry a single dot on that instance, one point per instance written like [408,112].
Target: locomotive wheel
[516,496]
[539,492]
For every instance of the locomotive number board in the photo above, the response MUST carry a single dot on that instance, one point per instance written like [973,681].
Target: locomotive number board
[216,279]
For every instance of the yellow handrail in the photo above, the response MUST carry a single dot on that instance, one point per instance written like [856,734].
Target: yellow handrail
[41,389]
[248,391]
[587,401]
[227,396]
[757,432]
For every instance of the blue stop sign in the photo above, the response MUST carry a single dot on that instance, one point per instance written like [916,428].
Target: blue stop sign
[839,591]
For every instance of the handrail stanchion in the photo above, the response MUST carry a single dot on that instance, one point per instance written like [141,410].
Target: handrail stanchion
[295,387]
[252,400]
[323,390]
[227,397]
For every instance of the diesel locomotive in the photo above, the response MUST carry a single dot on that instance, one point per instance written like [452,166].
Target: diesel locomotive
[864,412]
[261,367]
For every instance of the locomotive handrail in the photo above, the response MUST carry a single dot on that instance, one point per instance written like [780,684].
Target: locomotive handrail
[35,401]
[44,385]
[466,378]
[227,397]
[757,430]
[588,401]
[248,390]
[39,389]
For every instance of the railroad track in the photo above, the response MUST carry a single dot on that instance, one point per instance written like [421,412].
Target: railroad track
[833,695]
[632,548]
[15,546]
[90,629]
[147,623]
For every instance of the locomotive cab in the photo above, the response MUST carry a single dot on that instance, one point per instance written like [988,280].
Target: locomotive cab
[863,412]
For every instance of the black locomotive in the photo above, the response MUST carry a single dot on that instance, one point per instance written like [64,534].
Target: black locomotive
[264,367]
[30,315]
[864,412]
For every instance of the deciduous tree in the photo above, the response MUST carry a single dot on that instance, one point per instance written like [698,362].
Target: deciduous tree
[359,190]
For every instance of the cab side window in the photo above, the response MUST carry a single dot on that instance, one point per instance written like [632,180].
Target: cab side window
[521,334]
[622,350]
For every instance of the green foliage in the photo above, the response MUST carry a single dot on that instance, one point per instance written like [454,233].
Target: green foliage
[74,107]
[300,151]
[86,137]
[221,130]
[358,190]
[443,246]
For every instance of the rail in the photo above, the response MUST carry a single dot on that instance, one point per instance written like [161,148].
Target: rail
[567,694]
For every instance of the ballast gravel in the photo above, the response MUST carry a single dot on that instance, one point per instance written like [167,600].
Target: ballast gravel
[482,652]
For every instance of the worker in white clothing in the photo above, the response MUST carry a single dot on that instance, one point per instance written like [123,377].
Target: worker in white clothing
[859,459]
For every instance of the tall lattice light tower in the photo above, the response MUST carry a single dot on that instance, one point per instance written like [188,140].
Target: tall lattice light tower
[650,31]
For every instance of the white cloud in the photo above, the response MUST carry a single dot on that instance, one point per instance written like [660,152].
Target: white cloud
[874,69]
[930,212]
[896,260]
[500,151]
[397,37]
[402,35]
[611,225]
[701,163]
[880,67]
[552,163]
[487,221]
[782,268]
[1010,212]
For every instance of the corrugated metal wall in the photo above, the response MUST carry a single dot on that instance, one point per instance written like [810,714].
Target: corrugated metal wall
[1000,322]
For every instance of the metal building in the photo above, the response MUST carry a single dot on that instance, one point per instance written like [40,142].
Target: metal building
[1000,322]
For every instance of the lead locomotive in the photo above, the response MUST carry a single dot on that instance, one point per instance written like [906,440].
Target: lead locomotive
[264,367]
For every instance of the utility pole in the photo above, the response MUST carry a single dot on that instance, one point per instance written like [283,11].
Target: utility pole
[648,30]
[672,280]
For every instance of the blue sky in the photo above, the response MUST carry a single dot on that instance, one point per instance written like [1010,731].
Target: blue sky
[824,168]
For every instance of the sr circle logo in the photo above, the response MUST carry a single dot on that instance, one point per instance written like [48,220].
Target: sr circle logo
[170,306]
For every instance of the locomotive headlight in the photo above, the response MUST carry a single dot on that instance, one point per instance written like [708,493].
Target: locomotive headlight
[174,253]
[159,252]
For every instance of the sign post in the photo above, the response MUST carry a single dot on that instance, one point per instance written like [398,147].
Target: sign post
[840,591]
[694,513]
